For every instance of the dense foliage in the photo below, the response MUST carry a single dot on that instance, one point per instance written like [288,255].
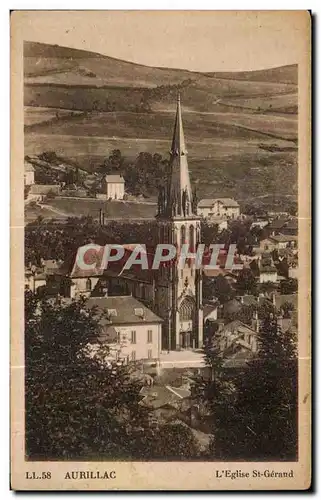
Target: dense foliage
[254,414]
[47,240]
[77,406]
[142,176]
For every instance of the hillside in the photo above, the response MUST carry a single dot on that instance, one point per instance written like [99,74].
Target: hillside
[281,74]
[241,127]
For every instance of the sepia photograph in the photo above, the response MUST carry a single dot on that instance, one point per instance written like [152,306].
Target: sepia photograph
[160,295]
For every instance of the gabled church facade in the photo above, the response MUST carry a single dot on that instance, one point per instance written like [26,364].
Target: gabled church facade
[178,292]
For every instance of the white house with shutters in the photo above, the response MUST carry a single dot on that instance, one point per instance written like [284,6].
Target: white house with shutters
[131,330]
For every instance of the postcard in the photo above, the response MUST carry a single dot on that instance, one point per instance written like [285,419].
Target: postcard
[160,250]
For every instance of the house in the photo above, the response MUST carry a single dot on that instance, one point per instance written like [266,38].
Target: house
[268,274]
[34,279]
[164,401]
[38,192]
[267,271]
[238,344]
[278,242]
[225,208]
[291,227]
[115,186]
[131,330]
[283,225]
[50,274]
[276,226]
[29,174]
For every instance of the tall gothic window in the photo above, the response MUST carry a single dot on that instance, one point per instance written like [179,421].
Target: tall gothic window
[183,235]
[192,238]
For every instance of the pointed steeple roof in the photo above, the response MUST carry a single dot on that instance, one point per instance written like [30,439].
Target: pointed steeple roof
[179,195]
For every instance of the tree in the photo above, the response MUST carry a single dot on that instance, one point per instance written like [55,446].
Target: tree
[289,286]
[209,233]
[76,405]
[261,417]
[218,288]
[286,309]
[79,405]
[245,314]
[267,287]
[216,393]
[246,282]
[173,441]
[49,156]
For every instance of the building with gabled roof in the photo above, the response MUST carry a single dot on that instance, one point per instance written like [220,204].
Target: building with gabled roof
[219,208]
[131,330]
[115,186]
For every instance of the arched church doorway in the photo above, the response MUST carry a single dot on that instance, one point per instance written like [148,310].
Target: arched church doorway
[187,337]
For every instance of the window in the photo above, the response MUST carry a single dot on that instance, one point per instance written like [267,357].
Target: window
[133,336]
[150,354]
[88,285]
[112,312]
[191,238]
[139,311]
[133,355]
[149,336]
[183,235]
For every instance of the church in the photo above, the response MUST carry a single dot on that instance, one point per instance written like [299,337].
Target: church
[172,293]
[178,292]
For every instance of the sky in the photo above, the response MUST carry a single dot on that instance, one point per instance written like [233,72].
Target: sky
[194,40]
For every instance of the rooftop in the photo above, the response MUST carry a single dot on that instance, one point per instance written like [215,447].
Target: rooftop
[209,202]
[208,308]
[123,310]
[237,327]
[115,178]
[282,238]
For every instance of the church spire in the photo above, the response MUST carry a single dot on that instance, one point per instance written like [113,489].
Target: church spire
[179,193]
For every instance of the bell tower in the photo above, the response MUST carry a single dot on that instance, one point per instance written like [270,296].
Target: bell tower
[178,293]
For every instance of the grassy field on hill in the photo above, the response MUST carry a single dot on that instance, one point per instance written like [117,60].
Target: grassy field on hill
[61,208]
[241,128]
